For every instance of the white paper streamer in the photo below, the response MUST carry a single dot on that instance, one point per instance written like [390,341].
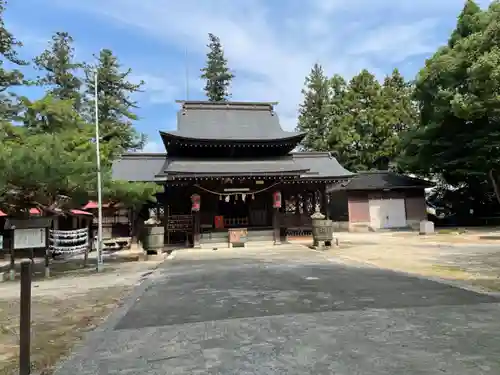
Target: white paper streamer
[68,242]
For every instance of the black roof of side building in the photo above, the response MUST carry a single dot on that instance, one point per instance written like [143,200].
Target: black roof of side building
[229,121]
[382,180]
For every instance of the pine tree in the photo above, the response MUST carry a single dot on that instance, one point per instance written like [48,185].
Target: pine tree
[468,22]
[362,123]
[315,110]
[216,73]
[398,116]
[8,78]
[61,71]
[115,105]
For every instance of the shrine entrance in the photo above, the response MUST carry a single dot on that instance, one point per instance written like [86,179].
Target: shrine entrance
[235,211]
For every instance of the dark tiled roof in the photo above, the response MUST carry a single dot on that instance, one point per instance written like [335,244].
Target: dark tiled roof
[380,180]
[148,167]
[196,167]
[234,121]
[320,164]
[140,167]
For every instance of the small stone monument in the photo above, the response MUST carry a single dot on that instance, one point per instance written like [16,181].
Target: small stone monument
[426,227]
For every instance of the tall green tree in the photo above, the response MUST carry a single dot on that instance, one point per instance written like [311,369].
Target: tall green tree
[9,78]
[359,124]
[397,116]
[315,110]
[60,70]
[458,93]
[116,105]
[467,22]
[216,73]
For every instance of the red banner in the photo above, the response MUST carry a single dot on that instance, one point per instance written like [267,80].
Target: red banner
[195,202]
[219,222]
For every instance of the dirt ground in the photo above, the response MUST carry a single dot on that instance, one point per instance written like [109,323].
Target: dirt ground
[64,308]
[471,258]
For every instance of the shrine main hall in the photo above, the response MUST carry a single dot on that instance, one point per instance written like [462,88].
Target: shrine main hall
[231,165]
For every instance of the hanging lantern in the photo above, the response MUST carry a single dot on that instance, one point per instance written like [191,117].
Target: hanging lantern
[195,202]
[277,199]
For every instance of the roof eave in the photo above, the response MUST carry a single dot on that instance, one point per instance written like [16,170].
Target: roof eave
[168,137]
[387,188]
[167,175]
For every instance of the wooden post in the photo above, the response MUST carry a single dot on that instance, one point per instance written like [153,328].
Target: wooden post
[47,253]
[324,204]
[326,211]
[12,268]
[89,245]
[276,226]
[25,320]
[167,226]
[196,230]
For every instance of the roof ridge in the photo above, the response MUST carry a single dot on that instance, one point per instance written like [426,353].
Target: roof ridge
[207,103]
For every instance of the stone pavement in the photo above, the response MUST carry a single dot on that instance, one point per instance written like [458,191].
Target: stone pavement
[290,311]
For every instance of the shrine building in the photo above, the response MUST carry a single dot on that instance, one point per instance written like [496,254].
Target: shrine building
[231,165]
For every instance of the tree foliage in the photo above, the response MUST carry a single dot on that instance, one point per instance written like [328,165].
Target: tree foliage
[9,78]
[216,72]
[48,154]
[60,71]
[458,93]
[315,110]
[57,169]
[360,121]
[115,103]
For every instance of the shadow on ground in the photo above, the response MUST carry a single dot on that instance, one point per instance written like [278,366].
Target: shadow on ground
[70,267]
[218,289]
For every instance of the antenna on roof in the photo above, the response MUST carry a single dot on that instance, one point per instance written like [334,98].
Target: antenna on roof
[187,72]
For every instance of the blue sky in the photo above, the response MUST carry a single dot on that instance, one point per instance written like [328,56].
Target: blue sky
[270,44]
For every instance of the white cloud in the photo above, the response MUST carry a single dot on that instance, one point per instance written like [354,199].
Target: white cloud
[393,44]
[260,41]
[157,90]
[153,147]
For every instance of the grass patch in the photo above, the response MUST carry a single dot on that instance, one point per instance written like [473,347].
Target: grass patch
[57,324]
[449,271]
[70,268]
[451,231]
[489,284]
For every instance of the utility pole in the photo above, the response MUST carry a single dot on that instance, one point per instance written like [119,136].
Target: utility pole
[99,182]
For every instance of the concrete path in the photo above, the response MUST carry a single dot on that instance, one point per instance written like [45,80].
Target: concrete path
[291,311]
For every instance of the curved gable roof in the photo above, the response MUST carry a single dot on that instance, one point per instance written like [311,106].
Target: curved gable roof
[230,121]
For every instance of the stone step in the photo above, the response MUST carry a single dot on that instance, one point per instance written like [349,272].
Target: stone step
[260,233]
[224,245]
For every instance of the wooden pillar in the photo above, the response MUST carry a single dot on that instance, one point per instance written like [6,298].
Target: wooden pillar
[196,230]
[9,244]
[47,252]
[25,319]
[276,226]
[324,203]
[167,224]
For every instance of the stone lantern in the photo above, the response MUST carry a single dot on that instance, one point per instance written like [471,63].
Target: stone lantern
[322,229]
